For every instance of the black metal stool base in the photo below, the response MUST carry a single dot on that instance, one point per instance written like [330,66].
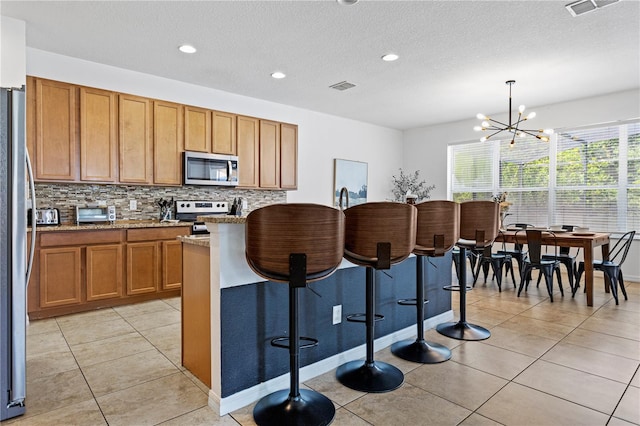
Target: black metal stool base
[374,377]
[421,351]
[463,331]
[310,408]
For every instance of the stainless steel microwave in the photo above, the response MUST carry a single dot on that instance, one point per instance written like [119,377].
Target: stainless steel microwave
[210,169]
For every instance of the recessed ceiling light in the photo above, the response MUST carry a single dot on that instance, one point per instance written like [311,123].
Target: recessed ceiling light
[278,75]
[390,57]
[187,48]
[347,2]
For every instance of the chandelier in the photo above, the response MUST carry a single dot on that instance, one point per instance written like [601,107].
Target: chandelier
[495,126]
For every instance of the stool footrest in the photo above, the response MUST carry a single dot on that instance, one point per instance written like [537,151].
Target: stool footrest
[362,317]
[455,288]
[411,302]
[278,342]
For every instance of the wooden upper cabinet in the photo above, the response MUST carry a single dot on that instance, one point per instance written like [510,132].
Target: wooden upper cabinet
[269,154]
[224,133]
[56,132]
[134,131]
[288,156]
[167,143]
[98,137]
[31,120]
[248,152]
[197,129]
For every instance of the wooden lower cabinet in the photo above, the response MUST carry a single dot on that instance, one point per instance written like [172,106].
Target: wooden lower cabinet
[60,276]
[104,271]
[142,268]
[76,271]
[171,264]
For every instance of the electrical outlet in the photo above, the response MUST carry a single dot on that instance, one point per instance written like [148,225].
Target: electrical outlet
[337,314]
[133,205]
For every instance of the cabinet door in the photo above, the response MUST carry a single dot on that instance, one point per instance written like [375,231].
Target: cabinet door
[269,154]
[60,276]
[288,156]
[98,139]
[224,133]
[134,131]
[104,271]
[171,264]
[167,143]
[248,152]
[197,129]
[56,133]
[142,268]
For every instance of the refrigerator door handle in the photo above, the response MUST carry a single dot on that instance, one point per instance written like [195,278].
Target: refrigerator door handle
[32,247]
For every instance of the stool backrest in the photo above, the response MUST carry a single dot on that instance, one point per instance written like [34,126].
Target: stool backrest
[274,232]
[480,216]
[368,224]
[437,219]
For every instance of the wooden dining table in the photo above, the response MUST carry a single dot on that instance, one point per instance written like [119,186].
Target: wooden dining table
[586,241]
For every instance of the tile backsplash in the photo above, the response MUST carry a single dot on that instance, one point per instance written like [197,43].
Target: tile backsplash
[66,197]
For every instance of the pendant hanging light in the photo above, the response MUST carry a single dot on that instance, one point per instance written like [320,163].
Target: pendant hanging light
[495,126]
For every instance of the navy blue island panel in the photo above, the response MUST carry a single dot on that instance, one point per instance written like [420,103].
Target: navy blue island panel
[254,314]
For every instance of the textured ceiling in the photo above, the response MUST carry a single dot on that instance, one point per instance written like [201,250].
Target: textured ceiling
[454,55]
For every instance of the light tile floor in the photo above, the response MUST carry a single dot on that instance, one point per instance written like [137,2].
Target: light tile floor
[544,364]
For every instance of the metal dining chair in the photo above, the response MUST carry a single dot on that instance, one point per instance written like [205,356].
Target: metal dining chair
[612,267]
[566,258]
[534,261]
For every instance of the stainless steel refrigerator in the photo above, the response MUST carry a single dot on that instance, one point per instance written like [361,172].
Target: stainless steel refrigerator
[15,262]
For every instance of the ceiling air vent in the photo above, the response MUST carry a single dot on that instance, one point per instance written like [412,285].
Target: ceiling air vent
[583,6]
[343,85]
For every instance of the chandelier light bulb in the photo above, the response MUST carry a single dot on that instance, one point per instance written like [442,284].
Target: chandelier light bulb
[521,109]
[544,138]
[481,116]
[483,139]
[512,143]
[477,128]
[485,124]
[548,131]
[531,115]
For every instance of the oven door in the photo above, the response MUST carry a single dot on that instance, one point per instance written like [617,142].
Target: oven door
[210,169]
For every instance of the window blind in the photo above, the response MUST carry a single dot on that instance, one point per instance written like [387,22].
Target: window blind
[584,177]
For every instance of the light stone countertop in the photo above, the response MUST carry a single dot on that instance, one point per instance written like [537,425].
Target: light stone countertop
[196,240]
[119,224]
[222,219]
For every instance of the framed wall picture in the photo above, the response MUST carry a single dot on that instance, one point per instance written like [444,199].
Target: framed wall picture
[353,176]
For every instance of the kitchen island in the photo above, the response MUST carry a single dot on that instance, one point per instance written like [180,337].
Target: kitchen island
[245,312]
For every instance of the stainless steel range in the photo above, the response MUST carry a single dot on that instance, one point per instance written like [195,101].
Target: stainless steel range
[189,210]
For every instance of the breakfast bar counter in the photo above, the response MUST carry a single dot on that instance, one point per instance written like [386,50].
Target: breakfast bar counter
[233,302]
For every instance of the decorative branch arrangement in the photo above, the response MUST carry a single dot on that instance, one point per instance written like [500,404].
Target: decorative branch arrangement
[407,183]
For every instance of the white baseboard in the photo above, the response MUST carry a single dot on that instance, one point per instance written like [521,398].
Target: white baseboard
[254,393]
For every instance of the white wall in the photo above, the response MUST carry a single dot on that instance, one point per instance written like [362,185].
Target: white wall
[321,137]
[426,148]
[12,52]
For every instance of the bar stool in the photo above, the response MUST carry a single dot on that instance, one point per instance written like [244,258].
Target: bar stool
[377,235]
[437,233]
[295,244]
[478,228]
